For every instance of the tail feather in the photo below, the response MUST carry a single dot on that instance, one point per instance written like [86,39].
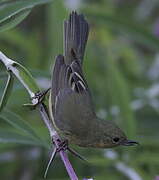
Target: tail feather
[76,31]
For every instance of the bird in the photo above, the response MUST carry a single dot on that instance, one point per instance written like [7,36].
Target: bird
[72,109]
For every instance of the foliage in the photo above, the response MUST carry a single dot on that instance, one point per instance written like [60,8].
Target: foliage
[121,66]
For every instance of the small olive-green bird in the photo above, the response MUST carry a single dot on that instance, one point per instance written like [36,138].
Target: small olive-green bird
[73,113]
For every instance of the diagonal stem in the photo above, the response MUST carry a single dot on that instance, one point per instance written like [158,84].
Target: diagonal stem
[55,137]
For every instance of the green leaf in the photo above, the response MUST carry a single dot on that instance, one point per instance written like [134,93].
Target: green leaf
[7,136]
[25,77]
[17,122]
[13,21]
[7,91]
[147,157]
[13,12]
[55,20]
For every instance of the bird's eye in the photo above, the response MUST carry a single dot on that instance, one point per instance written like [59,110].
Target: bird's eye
[115,140]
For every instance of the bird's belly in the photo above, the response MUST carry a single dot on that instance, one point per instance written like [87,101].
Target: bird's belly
[74,127]
[73,135]
[74,139]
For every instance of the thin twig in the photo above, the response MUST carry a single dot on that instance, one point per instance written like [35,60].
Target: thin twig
[55,137]
[43,111]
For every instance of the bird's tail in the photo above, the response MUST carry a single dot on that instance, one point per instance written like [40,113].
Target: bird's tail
[76,31]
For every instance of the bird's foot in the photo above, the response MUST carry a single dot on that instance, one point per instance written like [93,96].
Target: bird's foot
[63,145]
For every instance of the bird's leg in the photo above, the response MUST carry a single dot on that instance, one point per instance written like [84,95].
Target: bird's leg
[76,154]
[64,146]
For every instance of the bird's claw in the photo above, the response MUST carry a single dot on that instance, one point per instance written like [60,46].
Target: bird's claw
[62,146]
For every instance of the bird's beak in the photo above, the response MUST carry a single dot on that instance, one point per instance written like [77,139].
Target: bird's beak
[129,143]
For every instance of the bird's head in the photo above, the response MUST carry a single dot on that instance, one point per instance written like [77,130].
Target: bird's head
[111,136]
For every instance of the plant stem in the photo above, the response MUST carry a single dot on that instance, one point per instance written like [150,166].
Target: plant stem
[55,137]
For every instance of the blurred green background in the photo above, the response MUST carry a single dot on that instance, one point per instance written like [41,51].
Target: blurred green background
[122,68]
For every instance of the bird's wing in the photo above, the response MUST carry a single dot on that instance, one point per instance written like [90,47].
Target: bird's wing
[72,104]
